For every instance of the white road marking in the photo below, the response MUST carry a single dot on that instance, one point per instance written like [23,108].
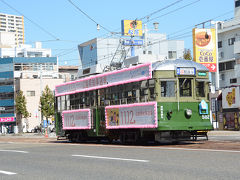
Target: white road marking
[13,151]
[209,150]
[164,148]
[7,172]
[111,158]
[138,147]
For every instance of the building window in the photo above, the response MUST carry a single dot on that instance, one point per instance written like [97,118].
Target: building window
[172,54]
[237,3]
[30,93]
[221,54]
[72,77]
[220,44]
[222,77]
[230,65]
[234,80]
[221,66]
[231,41]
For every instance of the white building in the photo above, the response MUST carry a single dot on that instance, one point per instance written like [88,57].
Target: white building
[14,24]
[97,55]
[24,50]
[229,50]
[32,90]
[7,39]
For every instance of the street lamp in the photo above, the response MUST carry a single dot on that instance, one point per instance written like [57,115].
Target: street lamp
[217,65]
[155,24]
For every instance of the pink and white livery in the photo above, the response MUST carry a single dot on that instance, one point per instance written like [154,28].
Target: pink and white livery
[76,119]
[127,75]
[138,115]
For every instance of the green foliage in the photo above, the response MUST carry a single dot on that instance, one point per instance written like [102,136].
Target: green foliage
[21,105]
[187,54]
[47,103]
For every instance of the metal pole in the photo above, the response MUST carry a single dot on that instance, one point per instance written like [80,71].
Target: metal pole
[217,65]
[41,117]
[145,38]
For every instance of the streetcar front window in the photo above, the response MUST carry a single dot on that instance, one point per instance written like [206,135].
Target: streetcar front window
[200,90]
[168,88]
[185,86]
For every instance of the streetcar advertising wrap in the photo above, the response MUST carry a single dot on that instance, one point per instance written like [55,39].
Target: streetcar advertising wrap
[76,119]
[127,75]
[138,115]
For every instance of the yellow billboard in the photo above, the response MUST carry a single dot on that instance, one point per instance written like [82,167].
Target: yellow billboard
[131,28]
[204,48]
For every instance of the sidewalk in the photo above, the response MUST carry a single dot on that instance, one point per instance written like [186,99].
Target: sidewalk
[223,133]
[29,135]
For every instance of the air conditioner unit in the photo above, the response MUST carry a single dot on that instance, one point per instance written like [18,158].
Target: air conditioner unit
[222,77]
[221,54]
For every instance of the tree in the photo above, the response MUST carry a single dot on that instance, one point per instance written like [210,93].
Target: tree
[187,54]
[47,103]
[21,107]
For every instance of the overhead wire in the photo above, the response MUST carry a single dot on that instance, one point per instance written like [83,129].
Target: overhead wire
[40,27]
[155,12]
[106,29]
[189,4]
[114,33]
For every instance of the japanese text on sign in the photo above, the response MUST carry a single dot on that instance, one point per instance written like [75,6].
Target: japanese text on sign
[139,115]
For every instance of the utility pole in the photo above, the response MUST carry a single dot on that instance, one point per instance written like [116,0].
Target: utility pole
[217,63]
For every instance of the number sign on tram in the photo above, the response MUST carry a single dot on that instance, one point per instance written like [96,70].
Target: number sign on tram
[187,71]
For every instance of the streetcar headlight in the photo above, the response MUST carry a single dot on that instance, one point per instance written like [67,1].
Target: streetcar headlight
[188,112]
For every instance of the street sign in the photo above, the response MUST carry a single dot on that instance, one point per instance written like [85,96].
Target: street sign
[133,42]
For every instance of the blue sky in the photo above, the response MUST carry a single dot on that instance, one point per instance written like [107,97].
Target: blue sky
[63,21]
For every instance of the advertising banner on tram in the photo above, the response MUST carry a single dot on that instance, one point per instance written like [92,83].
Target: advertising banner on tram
[126,75]
[138,115]
[76,119]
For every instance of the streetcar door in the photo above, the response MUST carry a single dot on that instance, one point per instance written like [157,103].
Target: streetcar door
[100,121]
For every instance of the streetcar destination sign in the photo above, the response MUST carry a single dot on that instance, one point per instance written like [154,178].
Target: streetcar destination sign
[189,71]
[127,75]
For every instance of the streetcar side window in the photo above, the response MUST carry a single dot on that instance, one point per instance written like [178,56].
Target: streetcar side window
[167,88]
[59,103]
[63,107]
[185,87]
[200,90]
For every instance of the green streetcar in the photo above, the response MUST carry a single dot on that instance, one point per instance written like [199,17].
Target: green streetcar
[165,100]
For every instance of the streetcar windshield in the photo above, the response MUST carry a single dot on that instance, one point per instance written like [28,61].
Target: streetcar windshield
[167,88]
[185,86]
[200,90]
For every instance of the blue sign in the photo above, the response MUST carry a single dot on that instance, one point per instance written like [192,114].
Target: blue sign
[133,42]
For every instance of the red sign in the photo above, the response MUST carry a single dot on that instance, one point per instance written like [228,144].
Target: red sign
[7,119]
[211,66]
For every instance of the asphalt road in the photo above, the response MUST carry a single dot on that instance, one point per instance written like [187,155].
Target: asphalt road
[98,161]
